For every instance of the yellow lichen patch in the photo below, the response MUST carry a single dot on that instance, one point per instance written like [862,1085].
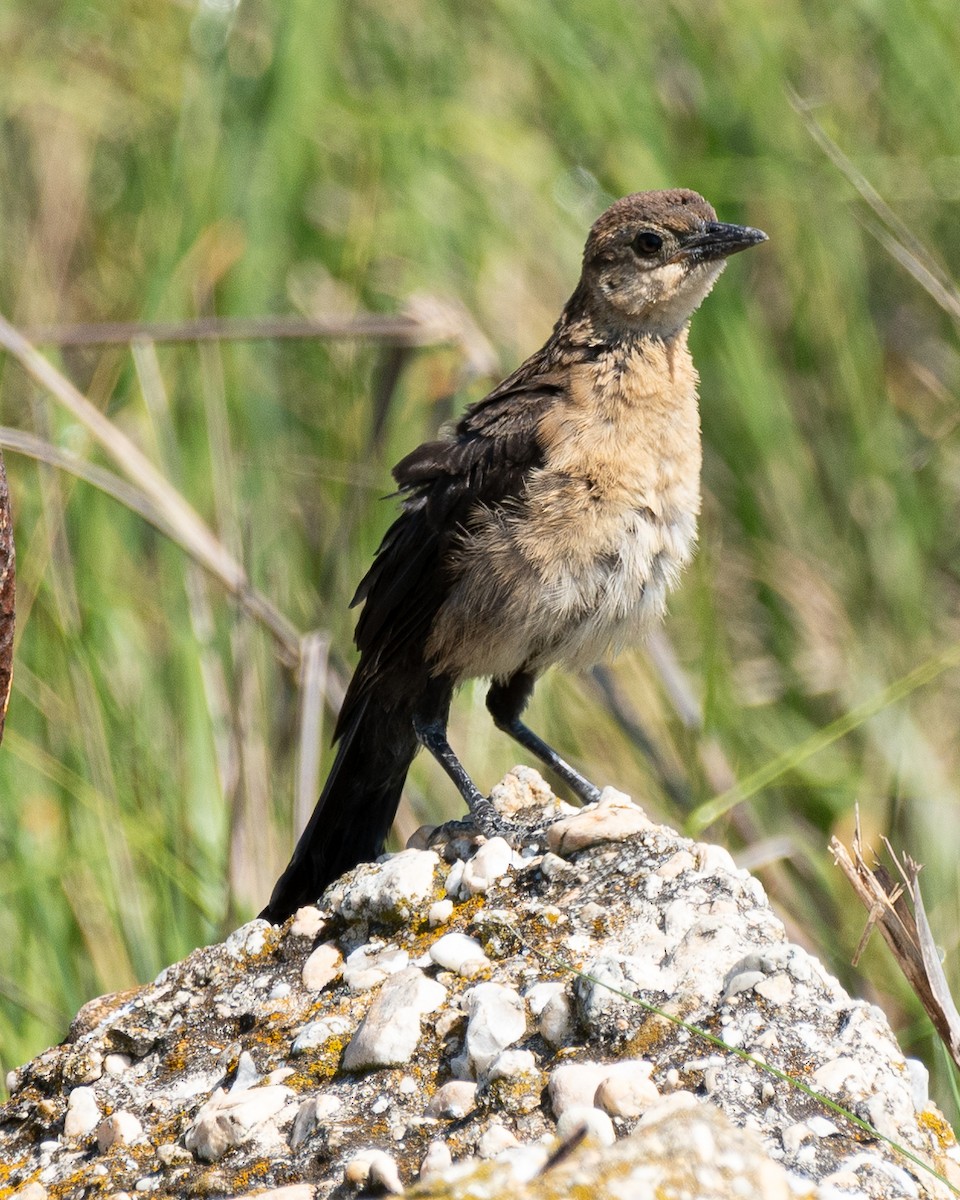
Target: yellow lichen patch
[177,1057]
[937,1125]
[251,1174]
[6,1169]
[321,1067]
[652,1033]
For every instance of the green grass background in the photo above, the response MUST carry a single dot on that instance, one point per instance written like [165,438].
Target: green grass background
[161,160]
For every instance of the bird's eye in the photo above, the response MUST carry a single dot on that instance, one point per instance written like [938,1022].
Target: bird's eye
[647,243]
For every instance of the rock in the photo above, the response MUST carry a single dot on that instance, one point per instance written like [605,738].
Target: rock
[226,1120]
[627,1089]
[376,1169]
[490,863]
[453,1100]
[495,1020]
[83,1113]
[392,891]
[389,1033]
[119,1129]
[323,966]
[293,1191]
[458,953]
[612,819]
[601,996]
[308,1051]
[591,1121]
[83,1066]
[436,1161]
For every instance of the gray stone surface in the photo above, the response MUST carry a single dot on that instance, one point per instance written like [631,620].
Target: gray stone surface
[344,1051]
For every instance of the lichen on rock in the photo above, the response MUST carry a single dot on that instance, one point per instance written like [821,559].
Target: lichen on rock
[450,1027]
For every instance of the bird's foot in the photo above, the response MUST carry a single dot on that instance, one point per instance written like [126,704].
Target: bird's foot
[520,809]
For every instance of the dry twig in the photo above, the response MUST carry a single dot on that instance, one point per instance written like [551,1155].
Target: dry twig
[907,933]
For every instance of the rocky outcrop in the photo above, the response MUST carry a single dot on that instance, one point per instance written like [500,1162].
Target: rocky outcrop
[469,1020]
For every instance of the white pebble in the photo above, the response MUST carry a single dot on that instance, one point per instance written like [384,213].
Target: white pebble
[511,1064]
[83,1113]
[522,787]
[495,1020]
[172,1155]
[367,968]
[390,1032]
[454,880]
[459,953]
[821,1127]
[246,1074]
[919,1083]
[597,1124]
[316,1034]
[555,1025]
[30,1191]
[384,1174]
[439,913]
[453,1100]
[307,922]
[120,1128]
[613,819]
[574,1085]
[743,981]
[376,1168]
[228,1120]
[778,989]
[490,863]
[628,1090]
[436,1160]
[538,995]
[494,1140]
[311,1113]
[116,1064]
[323,966]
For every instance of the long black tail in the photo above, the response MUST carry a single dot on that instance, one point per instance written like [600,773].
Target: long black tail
[356,808]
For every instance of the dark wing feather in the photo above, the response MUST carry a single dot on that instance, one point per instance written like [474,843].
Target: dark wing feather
[484,460]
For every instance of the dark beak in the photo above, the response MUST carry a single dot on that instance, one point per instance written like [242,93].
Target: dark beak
[717,240]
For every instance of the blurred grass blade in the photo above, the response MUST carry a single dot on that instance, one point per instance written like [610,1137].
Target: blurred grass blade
[8,595]
[192,533]
[314,664]
[130,496]
[891,231]
[704,816]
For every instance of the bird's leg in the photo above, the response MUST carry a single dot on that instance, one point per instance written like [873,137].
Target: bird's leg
[505,702]
[432,735]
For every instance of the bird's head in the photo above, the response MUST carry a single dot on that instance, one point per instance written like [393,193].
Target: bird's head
[652,257]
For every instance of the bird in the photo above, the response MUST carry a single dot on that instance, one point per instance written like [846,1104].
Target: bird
[546,526]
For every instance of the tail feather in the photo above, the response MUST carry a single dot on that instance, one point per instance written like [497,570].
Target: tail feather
[356,808]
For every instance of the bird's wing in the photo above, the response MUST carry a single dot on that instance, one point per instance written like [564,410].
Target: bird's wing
[484,460]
